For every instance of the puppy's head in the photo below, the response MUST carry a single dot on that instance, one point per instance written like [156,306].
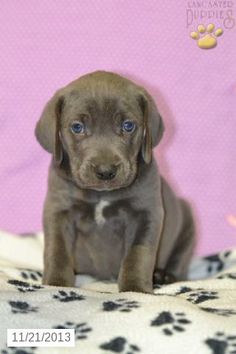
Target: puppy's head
[97,128]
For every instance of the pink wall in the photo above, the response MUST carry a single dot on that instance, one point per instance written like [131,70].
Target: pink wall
[45,44]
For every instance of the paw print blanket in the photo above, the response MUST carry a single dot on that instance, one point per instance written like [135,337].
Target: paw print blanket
[195,316]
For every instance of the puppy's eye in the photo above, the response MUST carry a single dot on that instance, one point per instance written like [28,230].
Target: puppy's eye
[128,126]
[77,128]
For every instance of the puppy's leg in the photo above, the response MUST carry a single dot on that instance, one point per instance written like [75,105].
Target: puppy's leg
[138,265]
[135,273]
[179,259]
[58,261]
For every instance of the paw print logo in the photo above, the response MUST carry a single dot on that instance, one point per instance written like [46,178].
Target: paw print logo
[217,262]
[121,305]
[206,37]
[201,296]
[219,312]
[21,307]
[69,296]
[29,274]
[222,343]
[183,290]
[81,329]
[23,286]
[227,276]
[18,351]
[171,323]
[120,345]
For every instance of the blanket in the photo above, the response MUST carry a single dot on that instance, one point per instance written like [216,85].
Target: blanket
[195,316]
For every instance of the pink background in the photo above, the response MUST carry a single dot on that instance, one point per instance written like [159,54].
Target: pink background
[46,44]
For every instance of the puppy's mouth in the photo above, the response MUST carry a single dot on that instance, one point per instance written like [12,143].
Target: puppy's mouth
[86,180]
[106,186]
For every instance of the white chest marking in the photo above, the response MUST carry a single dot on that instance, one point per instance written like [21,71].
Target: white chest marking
[99,218]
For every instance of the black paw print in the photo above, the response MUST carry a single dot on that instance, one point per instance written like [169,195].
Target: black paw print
[64,296]
[120,345]
[24,287]
[200,296]
[227,276]
[217,262]
[21,307]
[222,343]
[81,329]
[121,305]
[171,323]
[29,274]
[220,312]
[183,290]
[18,350]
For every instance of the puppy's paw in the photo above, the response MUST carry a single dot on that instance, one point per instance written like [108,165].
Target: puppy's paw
[130,281]
[56,281]
[136,286]
[66,279]
[162,277]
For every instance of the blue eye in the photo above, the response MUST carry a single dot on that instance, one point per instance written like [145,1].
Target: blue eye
[77,128]
[128,126]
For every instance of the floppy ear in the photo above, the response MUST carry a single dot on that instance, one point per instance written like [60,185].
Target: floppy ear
[47,130]
[153,126]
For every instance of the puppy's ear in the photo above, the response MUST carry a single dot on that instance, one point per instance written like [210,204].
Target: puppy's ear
[153,126]
[47,130]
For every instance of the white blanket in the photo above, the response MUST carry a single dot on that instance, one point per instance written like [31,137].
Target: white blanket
[197,316]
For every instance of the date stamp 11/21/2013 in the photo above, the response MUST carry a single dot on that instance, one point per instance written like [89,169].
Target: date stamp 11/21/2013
[40,337]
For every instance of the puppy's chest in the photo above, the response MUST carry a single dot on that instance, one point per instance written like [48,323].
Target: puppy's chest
[105,232]
[100,217]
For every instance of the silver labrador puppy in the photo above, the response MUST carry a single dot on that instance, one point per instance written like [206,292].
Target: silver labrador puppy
[108,212]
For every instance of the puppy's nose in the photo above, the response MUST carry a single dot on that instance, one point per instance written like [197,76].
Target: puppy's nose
[105,172]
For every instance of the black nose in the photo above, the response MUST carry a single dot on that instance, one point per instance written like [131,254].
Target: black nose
[105,172]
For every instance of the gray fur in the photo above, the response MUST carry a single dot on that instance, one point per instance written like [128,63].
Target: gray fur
[130,228]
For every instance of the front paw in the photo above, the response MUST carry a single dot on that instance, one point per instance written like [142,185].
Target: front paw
[136,287]
[134,284]
[162,277]
[66,279]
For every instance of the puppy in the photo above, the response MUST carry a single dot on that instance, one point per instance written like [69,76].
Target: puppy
[108,212]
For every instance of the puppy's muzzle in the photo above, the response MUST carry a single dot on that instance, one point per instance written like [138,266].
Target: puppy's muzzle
[105,172]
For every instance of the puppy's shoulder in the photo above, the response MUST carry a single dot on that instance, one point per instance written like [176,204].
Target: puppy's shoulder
[61,192]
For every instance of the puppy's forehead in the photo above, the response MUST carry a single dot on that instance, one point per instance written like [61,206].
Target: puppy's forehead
[102,95]
[105,82]
[88,103]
